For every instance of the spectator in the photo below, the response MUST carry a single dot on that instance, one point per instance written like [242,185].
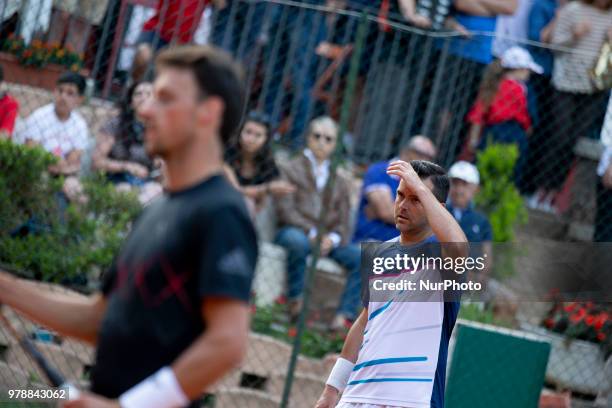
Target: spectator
[58,127]
[581,28]
[174,21]
[375,219]
[72,22]
[501,110]
[464,184]
[250,156]
[120,151]
[541,23]
[479,16]
[603,217]
[9,108]
[298,215]
[467,62]
[511,29]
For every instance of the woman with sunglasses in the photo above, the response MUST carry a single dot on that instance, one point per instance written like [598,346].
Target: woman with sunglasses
[250,157]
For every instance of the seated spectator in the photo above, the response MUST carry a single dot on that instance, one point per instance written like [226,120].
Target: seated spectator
[174,21]
[501,111]
[58,127]
[120,151]
[298,213]
[376,221]
[250,156]
[581,28]
[9,108]
[464,184]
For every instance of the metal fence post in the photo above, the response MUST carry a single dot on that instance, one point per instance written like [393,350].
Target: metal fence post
[344,117]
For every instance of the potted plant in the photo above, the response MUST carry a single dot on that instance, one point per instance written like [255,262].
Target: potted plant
[37,64]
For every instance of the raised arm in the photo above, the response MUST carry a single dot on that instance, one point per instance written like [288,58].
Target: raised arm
[486,8]
[70,315]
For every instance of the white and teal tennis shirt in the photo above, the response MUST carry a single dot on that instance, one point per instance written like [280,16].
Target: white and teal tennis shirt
[402,361]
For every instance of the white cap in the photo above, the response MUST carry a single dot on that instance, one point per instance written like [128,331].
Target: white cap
[517,58]
[464,171]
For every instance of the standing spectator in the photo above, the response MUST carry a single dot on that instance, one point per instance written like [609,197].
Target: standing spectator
[581,28]
[603,218]
[511,30]
[541,24]
[375,219]
[468,59]
[501,110]
[298,214]
[9,108]
[58,127]
[72,22]
[250,156]
[174,21]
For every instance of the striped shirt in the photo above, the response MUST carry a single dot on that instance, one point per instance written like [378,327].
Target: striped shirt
[571,69]
[402,360]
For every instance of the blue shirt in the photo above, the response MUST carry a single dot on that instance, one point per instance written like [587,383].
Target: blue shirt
[376,177]
[479,47]
[542,12]
[474,224]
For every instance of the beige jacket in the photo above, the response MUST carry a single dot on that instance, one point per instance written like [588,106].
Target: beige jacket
[301,209]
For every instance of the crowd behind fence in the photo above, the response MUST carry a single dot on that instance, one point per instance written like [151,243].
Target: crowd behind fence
[518,95]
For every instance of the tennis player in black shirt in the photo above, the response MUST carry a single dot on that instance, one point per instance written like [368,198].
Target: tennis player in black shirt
[172,317]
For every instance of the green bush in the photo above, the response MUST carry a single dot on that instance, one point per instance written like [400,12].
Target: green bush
[61,246]
[498,196]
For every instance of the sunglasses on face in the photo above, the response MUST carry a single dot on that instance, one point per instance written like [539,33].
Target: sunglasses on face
[327,138]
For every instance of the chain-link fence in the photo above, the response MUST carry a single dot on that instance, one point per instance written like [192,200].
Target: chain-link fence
[335,91]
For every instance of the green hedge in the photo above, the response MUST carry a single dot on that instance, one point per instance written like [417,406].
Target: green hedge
[62,245]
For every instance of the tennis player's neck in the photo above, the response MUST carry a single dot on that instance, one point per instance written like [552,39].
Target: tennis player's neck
[187,169]
[414,237]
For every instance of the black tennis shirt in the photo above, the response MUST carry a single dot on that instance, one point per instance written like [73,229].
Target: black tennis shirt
[185,247]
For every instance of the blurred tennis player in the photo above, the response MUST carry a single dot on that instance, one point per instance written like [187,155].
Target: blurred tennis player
[173,316]
[395,352]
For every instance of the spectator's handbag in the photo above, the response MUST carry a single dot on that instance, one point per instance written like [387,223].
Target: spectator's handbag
[601,73]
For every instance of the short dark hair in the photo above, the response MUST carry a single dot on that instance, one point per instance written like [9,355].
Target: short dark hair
[439,179]
[1,74]
[73,78]
[217,74]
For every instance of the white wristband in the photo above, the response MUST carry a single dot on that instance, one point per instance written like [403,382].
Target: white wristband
[340,374]
[161,390]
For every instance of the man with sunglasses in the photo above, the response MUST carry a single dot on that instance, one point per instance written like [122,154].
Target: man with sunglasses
[298,213]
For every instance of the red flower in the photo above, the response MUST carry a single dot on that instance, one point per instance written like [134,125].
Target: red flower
[578,316]
[601,336]
[600,320]
[589,320]
[570,307]
[292,332]
[549,323]
[281,300]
